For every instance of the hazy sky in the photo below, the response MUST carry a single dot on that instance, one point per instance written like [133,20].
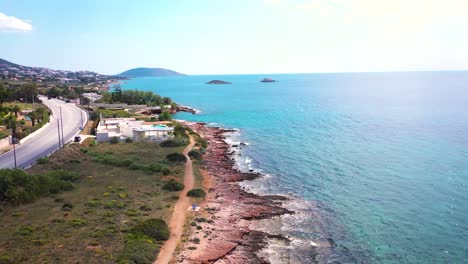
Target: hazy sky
[237,36]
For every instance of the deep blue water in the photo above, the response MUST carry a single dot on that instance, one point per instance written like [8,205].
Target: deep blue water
[385,155]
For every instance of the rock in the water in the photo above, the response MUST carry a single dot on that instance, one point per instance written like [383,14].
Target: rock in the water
[268,80]
[218,82]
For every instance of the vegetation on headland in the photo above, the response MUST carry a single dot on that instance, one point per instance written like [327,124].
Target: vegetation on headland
[133,97]
[114,213]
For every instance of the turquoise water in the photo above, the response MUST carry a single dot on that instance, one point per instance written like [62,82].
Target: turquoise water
[382,156]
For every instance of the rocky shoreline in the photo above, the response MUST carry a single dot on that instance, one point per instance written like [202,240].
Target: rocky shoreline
[228,211]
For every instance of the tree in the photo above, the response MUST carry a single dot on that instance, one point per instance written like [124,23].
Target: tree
[16,109]
[12,124]
[165,116]
[5,94]
[84,101]
[29,91]
[34,115]
[42,114]
[53,92]
[167,100]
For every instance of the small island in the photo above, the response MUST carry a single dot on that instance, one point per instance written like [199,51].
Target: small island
[218,82]
[267,80]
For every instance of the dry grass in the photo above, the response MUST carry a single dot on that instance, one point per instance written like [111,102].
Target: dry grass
[107,201]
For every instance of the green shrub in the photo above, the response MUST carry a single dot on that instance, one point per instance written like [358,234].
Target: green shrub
[114,140]
[177,157]
[135,166]
[165,116]
[155,229]
[93,203]
[194,154]
[128,140]
[166,171]
[179,131]
[18,186]
[43,160]
[93,143]
[67,207]
[77,222]
[6,259]
[138,250]
[203,143]
[197,193]
[172,186]
[173,143]
[25,231]
[145,208]
[84,150]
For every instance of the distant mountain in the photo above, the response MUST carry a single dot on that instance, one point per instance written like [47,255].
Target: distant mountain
[149,72]
[16,72]
[5,62]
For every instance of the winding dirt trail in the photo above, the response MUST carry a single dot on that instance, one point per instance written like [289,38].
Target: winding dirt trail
[176,223]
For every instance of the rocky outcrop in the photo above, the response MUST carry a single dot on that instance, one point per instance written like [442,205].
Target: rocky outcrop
[267,80]
[218,82]
[225,235]
[188,109]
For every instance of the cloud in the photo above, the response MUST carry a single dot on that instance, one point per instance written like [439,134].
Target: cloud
[13,24]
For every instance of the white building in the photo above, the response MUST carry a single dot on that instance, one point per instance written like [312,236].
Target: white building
[137,130]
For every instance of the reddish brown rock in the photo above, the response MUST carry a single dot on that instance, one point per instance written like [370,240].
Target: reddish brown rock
[226,236]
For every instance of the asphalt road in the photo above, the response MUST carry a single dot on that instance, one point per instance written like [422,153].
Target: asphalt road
[46,141]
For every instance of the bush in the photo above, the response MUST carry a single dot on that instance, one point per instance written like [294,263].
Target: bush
[94,115]
[194,154]
[166,171]
[78,222]
[165,116]
[43,160]
[173,143]
[179,131]
[18,186]
[177,157]
[138,250]
[84,150]
[114,140]
[135,166]
[129,140]
[197,193]
[172,186]
[203,143]
[155,229]
[67,207]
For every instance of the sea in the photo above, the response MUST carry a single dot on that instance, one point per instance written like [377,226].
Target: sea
[375,164]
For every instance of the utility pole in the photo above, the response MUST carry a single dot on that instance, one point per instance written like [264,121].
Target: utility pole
[82,125]
[61,122]
[14,149]
[58,130]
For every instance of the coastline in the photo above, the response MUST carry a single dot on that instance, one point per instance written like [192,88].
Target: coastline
[229,211]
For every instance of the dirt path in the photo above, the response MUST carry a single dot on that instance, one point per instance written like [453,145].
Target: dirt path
[176,223]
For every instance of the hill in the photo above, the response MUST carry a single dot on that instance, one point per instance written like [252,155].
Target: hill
[149,72]
[16,72]
[5,62]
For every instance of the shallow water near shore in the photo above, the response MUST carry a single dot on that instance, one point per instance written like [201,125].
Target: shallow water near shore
[377,162]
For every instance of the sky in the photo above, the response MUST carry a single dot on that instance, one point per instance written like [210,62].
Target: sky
[237,36]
